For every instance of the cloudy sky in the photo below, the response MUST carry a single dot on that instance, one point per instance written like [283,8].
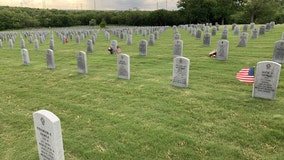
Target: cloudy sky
[91,4]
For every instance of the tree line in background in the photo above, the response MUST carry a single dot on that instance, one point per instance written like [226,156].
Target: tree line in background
[190,11]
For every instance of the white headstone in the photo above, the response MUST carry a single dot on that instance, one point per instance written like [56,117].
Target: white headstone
[180,72]
[25,57]
[266,80]
[36,44]
[222,50]
[50,59]
[254,33]
[113,45]
[178,48]
[278,54]
[198,34]
[82,62]
[48,135]
[123,65]
[129,39]
[243,39]
[151,40]
[51,44]
[207,39]
[143,48]
[23,43]
[90,48]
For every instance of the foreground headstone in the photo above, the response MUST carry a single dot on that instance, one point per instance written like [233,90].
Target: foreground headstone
[123,65]
[82,62]
[50,59]
[222,50]
[266,80]
[25,57]
[278,54]
[180,72]
[48,135]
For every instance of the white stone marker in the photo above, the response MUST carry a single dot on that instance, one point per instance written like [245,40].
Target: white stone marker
[48,135]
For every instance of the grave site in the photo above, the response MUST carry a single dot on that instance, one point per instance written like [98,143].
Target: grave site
[65,96]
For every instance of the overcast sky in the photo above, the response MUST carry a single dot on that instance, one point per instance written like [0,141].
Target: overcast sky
[94,4]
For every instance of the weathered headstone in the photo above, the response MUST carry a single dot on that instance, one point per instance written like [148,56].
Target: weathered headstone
[48,135]
[254,33]
[266,80]
[245,28]
[23,43]
[262,30]
[267,27]
[243,39]
[236,30]
[214,31]
[180,72]
[198,34]
[207,39]
[36,44]
[82,62]
[50,59]
[94,39]
[156,35]
[25,57]
[178,48]
[143,48]
[177,36]
[90,48]
[222,50]
[11,43]
[224,34]
[278,54]
[1,44]
[51,44]
[77,39]
[123,65]
[252,25]
[151,40]
[113,45]
[129,39]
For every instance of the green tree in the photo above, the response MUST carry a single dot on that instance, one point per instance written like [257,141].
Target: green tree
[92,22]
[103,24]
[262,11]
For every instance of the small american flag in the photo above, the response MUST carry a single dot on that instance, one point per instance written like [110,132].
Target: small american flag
[246,75]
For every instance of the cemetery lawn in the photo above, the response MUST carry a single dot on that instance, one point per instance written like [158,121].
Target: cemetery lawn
[103,117]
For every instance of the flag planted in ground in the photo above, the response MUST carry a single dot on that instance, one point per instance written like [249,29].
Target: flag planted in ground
[246,75]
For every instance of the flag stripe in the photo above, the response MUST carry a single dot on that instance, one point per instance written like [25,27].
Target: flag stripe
[246,75]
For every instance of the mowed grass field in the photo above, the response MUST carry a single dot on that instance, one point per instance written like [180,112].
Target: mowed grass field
[103,117]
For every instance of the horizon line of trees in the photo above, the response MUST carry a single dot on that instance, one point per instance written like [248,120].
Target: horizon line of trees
[190,12]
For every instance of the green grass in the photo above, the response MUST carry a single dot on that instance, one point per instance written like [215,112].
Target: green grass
[103,117]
